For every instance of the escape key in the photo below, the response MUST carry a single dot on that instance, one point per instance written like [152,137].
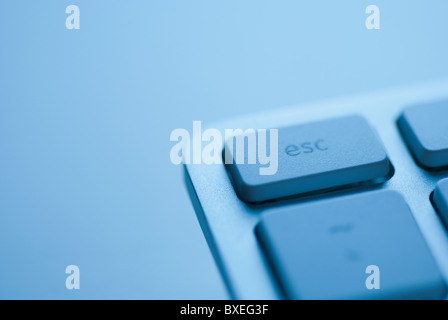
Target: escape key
[314,156]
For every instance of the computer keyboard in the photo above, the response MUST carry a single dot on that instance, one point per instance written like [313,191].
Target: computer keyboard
[360,182]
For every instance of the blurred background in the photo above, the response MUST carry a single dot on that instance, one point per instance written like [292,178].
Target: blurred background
[85,119]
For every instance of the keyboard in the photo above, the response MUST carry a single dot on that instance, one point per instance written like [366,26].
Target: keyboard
[361,185]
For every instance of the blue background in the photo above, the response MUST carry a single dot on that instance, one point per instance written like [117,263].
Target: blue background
[85,119]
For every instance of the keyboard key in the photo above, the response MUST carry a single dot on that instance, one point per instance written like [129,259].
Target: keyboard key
[321,250]
[425,131]
[314,156]
[440,200]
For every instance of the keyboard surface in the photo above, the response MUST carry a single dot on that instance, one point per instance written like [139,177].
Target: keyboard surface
[379,149]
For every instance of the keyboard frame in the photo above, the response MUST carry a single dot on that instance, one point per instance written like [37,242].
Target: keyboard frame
[228,223]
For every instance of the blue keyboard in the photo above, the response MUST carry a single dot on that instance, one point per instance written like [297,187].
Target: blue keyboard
[361,189]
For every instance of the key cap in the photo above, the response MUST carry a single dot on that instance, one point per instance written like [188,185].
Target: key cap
[321,250]
[425,130]
[440,200]
[314,156]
